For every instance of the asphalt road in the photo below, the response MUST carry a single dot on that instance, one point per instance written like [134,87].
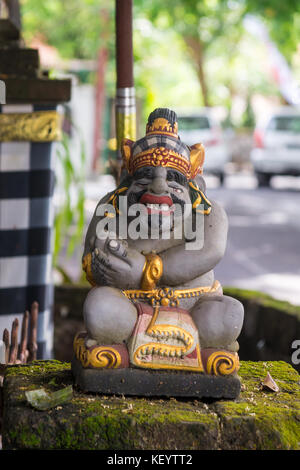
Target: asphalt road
[263,249]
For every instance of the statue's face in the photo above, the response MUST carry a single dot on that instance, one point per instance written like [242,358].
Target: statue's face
[164,193]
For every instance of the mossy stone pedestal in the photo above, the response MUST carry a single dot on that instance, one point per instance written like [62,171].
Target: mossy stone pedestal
[256,420]
[162,383]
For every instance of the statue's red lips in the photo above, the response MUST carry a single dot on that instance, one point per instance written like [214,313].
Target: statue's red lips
[157,204]
[152,199]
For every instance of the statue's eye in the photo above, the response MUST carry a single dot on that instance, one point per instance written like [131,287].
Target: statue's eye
[176,189]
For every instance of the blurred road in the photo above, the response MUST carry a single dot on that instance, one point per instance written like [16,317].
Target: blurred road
[263,249]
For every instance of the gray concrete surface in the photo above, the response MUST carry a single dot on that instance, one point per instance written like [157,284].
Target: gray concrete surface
[263,249]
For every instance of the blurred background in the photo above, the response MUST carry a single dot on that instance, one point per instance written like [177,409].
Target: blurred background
[231,70]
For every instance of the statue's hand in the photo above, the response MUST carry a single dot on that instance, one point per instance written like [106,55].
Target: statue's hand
[114,264]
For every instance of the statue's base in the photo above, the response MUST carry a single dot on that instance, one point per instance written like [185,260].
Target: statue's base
[154,383]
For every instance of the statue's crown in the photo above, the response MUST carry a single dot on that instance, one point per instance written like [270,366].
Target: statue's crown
[162,146]
[162,121]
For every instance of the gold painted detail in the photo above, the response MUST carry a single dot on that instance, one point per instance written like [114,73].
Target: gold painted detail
[197,157]
[114,200]
[160,157]
[87,268]
[162,126]
[222,363]
[169,332]
[102,357]
[169,347]
[166,296]
[164,333]
[39,126]
[126,127]
[201,199]
[152,272]
[163,350]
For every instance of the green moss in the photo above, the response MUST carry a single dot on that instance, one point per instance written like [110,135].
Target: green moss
[37,368]
[270,420]
[131,423]
[29,439]
[262,299]
[256,420]
[284,374]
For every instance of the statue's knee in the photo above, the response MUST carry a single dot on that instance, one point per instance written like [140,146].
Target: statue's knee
[219,321]
[108,315]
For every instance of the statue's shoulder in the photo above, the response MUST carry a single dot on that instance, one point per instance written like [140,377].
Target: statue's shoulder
[105,198]
[217,214]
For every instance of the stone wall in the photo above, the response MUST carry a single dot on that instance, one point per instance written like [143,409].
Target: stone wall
[270,327]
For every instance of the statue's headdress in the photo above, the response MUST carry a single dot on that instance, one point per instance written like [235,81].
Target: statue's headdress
[162,146]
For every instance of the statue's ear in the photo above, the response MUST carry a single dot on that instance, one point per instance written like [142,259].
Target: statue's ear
[126,149]
[197,156]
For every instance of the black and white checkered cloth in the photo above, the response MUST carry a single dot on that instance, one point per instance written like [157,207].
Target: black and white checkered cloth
[26,220]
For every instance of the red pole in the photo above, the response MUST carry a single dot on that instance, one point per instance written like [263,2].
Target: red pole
[99,105]
[125,96]
[124,49]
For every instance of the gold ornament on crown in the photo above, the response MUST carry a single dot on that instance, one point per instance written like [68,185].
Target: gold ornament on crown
[160,156]
[162,126]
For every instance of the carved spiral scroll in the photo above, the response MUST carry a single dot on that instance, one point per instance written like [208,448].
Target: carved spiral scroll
[106,358]
[102,357]
[222,363]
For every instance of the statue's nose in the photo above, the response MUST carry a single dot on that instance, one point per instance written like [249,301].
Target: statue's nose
[158,185]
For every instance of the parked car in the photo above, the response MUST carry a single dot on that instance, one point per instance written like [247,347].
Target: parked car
[200,126]
[277,145]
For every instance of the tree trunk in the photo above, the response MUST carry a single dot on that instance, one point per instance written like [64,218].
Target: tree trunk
[196,51]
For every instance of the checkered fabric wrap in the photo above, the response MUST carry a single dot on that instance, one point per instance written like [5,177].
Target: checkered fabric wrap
[156,140]
[26,220]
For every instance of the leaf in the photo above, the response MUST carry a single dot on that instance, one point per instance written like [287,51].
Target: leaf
[270,384]
[42,400]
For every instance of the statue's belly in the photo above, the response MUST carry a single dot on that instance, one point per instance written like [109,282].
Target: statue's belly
[205,280]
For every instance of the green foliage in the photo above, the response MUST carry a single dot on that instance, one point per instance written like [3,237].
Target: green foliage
[69,219]
[282,20]
[73,27]
[187,52]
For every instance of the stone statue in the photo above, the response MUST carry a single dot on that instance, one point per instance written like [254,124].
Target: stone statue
[155,303]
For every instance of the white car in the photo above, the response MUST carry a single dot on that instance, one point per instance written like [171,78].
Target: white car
[195,127]
[277,145]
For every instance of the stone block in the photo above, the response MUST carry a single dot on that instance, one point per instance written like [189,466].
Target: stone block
[258,419]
